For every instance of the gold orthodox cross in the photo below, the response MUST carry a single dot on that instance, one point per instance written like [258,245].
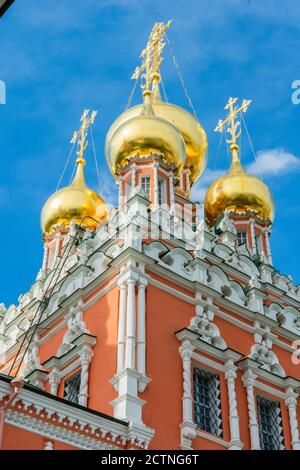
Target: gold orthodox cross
[230,122]
[151,56]
[80,135]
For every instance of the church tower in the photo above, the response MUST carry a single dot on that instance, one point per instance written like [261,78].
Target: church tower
[151,325]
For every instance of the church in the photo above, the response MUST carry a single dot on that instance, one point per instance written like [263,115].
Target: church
[160,323]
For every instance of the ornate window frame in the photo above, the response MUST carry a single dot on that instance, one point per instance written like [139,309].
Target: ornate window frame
[214,359]
[79,357]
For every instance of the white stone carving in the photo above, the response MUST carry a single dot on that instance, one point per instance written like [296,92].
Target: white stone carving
[262,352]
[202,322]
[249,381]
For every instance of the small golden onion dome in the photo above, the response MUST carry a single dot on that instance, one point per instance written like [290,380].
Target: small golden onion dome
[76,202]
[193,134]
[238,192]
[141,134]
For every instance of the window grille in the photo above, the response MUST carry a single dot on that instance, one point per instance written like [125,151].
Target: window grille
[145,184]
[270,424]
[72,387]
[207,402]
[242,238]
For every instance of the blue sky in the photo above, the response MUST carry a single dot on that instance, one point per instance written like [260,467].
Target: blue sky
[61,56]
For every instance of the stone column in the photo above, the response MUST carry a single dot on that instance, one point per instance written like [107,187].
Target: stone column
[54,381]
[291,403]
[230,377]
[155,184]
[141,327]
[133,177]
[58,237]
[85,360]
[249,381]
[268,247]
[121,192]
[252,236]
[130,324]
[46,257]
[187,181]
[187,426]
[121,325]
[171,189]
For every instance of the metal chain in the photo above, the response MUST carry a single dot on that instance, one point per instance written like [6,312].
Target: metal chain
[181,78]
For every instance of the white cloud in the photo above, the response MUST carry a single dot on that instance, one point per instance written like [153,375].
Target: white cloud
[274,162]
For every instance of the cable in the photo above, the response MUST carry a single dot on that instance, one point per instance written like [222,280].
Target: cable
[163,87]
[244,122]
[73,173]
[131,95]
[241,140]
[181,78]
[95,157]
[46,297]
[219,149]
[65,167]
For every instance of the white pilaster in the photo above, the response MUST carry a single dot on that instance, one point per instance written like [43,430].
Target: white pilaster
[121,326]
[141,327]
[130,340]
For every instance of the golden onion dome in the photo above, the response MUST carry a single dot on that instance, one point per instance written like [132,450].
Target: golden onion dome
[75,202]
[193,134]
[238,192]
[141,134]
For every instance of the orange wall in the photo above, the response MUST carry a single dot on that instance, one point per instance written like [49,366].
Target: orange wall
[19,439]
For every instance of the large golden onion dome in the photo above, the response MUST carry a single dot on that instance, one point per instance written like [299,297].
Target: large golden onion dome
[75,202]
[238,192]
[189,127]
[141,134]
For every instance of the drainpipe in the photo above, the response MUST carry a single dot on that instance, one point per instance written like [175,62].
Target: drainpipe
[17,385]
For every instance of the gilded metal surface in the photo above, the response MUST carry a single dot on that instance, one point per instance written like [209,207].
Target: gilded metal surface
[193,134]
[151,56]
[231,124]
[141,135]
[238,192]
[75,202]
[190,129]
